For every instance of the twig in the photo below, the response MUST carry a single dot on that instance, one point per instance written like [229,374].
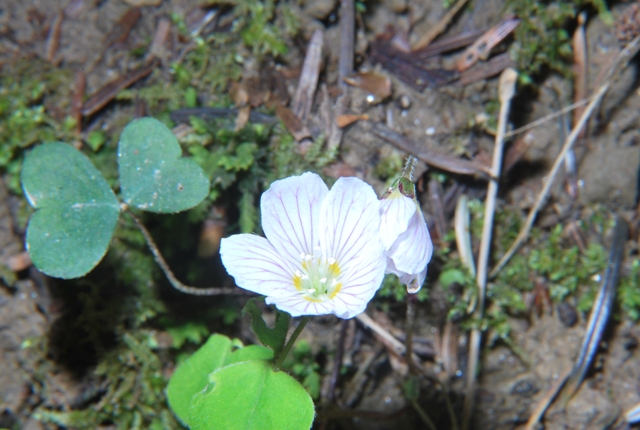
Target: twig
[444,162]
[109,92]
[308,82]
[53,41]
[600,312]
[549,117]
[169,274]
[580,92]
[435,194]
[428,37]
[423,415]
[337,361]
[507,88]
[397,346]
[345,67]
[625,55]
[544,402]
[411,317]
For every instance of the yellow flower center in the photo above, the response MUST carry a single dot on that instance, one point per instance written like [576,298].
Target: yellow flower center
[318,278]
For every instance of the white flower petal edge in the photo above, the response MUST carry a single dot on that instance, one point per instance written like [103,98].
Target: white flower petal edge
[290,210]
[256,266]
[412,249]
[395,211]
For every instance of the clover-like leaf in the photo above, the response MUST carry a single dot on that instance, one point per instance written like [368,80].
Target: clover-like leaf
[153,174]
[251,395]
[76,211]
[191,376]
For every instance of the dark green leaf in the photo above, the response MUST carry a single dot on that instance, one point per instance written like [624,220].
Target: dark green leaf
[153,175]
[275,337]
[76,211]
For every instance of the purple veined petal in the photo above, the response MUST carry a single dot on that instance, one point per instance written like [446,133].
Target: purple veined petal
[396,211]
[412,251]
[290,214]
[350,234]
[256,266]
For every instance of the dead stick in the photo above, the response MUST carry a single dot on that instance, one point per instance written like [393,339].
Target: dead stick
[308,82]
[435,31]
[626,54]
[507,87]
[345,67]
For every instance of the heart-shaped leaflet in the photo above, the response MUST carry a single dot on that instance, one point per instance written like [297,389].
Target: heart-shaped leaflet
[76,211]
[153,175]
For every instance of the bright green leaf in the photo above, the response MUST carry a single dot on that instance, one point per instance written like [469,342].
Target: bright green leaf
[451,276]
[272,337]
[251,395]
[153,175]
[76,211]
[191,376]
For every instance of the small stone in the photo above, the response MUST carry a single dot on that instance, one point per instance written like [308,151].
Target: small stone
[404,101]
[567,314]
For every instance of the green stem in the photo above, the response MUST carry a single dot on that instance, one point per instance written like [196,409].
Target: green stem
[423,415]
[290,342]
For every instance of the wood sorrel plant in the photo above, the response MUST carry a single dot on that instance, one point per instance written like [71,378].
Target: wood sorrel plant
[326,251]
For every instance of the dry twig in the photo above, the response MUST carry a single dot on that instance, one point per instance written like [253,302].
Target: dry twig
[435,31]
[618,64]
[507,88]
[345,67]
[308,81]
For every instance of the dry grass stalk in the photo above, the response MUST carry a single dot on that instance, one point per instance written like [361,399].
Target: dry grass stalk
[508,81]
[623,57]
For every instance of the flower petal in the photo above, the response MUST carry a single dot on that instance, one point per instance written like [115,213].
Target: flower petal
[350,234]
[412,281]
[256,266]
[412,251]
[396,211]
[290,211]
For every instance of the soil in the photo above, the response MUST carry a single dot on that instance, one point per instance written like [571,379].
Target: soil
[511,380]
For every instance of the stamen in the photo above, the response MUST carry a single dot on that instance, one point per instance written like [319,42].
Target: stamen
[331,260]
[323,280]
[298,274]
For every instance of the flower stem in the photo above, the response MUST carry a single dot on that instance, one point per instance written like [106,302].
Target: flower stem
[290,342]
[175,283]
[423,415]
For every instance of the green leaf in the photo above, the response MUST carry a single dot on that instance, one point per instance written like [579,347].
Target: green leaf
[76,211]
[275,337]
[451,276]
[153,175]
[192,375]
[251,395]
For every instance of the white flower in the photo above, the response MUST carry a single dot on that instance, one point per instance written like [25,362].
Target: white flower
[322,254]
[405,236]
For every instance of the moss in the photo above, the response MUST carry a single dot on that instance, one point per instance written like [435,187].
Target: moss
[541,39]
[33,102]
